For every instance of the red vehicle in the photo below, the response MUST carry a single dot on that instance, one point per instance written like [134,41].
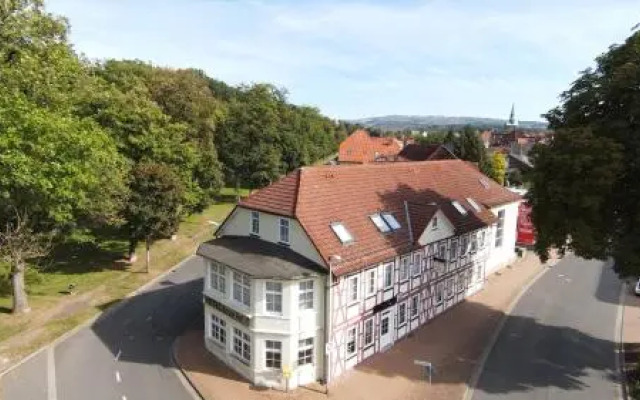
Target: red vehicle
[526,233]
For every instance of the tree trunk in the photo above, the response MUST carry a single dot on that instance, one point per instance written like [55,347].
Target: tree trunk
[148,243]
[133,257]
[237,189]
[20,303]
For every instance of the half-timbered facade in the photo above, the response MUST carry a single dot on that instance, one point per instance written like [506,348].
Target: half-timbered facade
[388,248]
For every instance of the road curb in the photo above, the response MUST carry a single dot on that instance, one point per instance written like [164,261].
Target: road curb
[93,319]
[475,376]
[182,374]
[620,359]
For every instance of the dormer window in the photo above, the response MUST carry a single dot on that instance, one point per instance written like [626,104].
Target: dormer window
[473,204]
[434,223]
[341,231]
[459,207]
[391,221]
[379,223]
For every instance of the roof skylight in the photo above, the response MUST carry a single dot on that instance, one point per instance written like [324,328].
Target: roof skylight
[391,221]
[459,207]
[473,204]
[380,224]
[484,183]
[341,231]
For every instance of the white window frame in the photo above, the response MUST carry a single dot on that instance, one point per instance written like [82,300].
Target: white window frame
[434,223]
[242,345]
[306,295]
[217,329]
[285,230]
[273,354]
[461,286]
[464,245]
[442,251]
[414,306]
[416,269]
[353,288]
[448,290]
[255,222]
[439,293]
[352,338]
[380,223]
[387,272]
[241,288]
[368,337]
[403,271]
[402,313]
[473,204]
[342,232]
[217,277]
[273,297]
[371,281]
[305,352]
[453,250]
[474,242]
[459,207]
[499,229]
[391,220]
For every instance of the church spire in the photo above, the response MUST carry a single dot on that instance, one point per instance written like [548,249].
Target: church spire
[512,122]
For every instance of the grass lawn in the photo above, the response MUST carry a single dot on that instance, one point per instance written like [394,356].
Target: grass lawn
[100,277]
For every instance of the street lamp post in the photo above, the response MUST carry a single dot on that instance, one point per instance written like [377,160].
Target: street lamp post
[328,346]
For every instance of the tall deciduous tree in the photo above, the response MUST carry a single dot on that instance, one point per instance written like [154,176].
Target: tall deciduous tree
[585,188]
[154,208]
[498,167]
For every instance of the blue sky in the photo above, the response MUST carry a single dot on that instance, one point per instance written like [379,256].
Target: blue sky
[355,59]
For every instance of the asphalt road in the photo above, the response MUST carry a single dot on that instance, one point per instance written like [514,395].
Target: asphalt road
[559,342]
[124,355]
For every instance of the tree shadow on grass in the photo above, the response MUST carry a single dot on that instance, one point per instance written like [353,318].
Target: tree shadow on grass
[76,256]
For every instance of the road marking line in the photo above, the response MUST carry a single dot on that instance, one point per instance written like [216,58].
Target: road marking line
[52,391]
[118,355]
[124,397]
[118,377]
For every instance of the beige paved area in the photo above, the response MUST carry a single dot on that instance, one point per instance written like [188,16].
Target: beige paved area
[631,326]
[454,342]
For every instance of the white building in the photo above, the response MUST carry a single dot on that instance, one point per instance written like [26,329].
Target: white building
[402,241]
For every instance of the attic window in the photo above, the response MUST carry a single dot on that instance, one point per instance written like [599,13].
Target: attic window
[473,204]
[380,224]
[459,207]
[342,232]
[484,183]
[391,221]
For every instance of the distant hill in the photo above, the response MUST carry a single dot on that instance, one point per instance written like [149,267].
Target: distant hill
[419,122]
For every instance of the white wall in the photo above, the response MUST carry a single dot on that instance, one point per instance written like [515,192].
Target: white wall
[443,230]
[239,224]
[502,256]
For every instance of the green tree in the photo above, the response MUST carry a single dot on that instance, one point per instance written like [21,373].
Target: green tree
[585,188]
[154,207]
[498,167]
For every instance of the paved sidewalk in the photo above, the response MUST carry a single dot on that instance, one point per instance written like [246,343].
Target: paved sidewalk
[454,342]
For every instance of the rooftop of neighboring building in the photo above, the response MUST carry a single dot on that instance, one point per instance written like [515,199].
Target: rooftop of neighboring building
[425,152]
[361,148]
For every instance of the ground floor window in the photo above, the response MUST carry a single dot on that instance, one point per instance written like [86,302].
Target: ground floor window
[352,334]
[439,293]
[273,354]
[462,281]
[218,329]
[449,288]
[402,313]
[305,351]
[368,331]
[414,306]
[242,345]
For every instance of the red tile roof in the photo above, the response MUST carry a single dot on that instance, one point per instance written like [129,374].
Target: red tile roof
[418,152]
[318,196]
[360,148]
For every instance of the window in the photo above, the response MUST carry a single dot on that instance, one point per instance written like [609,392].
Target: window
[273,294]
[391,221]
[462,284]
[500,228]
[482,239]
[305,351]
[241,288]
[273,354]
[388,275]
[413,310]
[449,288]
[218,329]
[473,204]
[284,230]
[242,345]
[484,183]
[384,326]
[353,284]
[478,272]
[439,293]
[255,222]
[351,340]
[474,243]
[217,277]
[464,245]
[342,232]
[368,331]
[379,223]
[402,313]
[442,251]
[371,281]
[434,223]
[453,251]
[417,264]
[404,268]
[305,295]
[459,207]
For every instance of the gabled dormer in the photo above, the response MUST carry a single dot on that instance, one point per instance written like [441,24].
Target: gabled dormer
[429,224]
